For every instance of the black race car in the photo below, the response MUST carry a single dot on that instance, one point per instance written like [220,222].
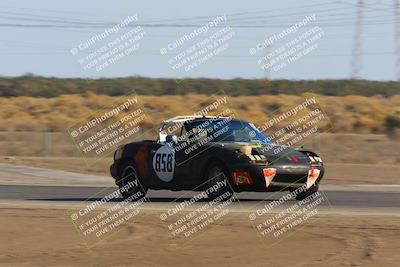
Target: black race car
[205,152]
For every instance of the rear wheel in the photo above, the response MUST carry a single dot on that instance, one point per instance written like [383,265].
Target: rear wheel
[217,182]
[130,184]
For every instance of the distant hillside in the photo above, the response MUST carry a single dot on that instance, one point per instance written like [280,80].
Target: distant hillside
[51,87]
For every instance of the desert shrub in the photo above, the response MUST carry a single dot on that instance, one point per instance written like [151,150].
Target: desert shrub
[392,123]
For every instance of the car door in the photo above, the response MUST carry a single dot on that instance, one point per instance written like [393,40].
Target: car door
[164,161]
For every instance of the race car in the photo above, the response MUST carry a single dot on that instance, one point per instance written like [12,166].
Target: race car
[199,152]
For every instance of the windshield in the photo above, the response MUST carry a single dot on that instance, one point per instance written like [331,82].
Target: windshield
[225,130]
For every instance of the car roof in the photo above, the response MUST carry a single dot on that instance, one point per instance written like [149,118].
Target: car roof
[192,118]
[181,120]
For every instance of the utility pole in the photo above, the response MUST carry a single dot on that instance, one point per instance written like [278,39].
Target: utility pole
[357,51]
[267,71]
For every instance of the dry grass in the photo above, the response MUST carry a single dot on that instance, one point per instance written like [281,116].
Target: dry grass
[334,148]
[356,114]
[349,158]
[25,121]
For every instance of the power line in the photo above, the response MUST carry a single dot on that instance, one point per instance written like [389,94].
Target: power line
[194,21]
[49,18]
[196,17]
[338,24]
[232,17]
[333,14]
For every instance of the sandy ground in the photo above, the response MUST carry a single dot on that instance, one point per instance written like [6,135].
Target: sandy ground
[35,236]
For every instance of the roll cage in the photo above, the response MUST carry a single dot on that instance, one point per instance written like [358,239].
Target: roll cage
[175,125]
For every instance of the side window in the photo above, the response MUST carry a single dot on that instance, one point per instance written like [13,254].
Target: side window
[242,135]
[199,134]
[184,137]
[172,128]
[189,133]
[196,134]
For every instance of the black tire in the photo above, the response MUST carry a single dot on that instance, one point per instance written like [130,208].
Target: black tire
[217,173]
[309,192]
[128,173]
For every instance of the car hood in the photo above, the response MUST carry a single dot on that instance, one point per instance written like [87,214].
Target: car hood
[273,152]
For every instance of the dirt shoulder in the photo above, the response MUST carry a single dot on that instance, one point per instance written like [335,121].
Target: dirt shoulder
[47,237]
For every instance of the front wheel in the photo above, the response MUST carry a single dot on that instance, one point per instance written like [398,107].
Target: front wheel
[129,183]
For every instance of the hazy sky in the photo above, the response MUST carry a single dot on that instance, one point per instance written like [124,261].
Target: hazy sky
[37,37]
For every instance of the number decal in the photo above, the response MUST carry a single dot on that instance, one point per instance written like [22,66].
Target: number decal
[169,162]
[164,163]
[157,166]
